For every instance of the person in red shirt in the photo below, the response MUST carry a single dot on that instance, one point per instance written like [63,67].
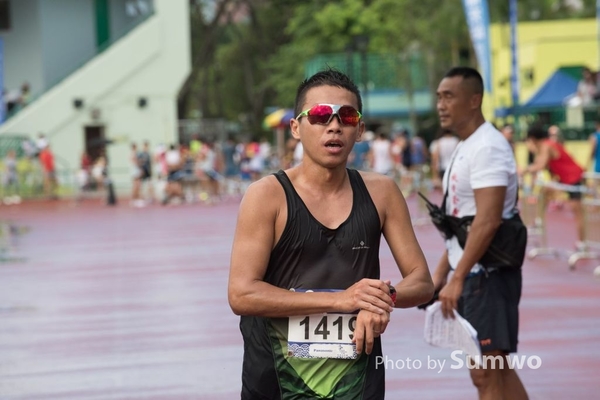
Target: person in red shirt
[49,172]
[551,155]
[86,162]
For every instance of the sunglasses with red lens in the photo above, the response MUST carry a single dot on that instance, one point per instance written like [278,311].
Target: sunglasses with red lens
[322,114]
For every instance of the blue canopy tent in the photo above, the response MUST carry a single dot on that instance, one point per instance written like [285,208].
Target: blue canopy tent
[560,85]
[548,104]
[552,94]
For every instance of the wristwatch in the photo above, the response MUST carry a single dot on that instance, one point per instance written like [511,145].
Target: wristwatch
[392,293]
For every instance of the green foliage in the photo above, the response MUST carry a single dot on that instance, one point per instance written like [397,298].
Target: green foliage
[242,66]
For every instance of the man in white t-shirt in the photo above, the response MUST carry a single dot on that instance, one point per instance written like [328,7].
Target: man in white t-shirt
[481,181]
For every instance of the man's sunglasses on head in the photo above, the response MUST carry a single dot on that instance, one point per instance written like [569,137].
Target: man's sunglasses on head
[322,114]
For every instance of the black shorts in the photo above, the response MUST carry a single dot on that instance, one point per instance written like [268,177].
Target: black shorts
[175,176]
[146,174]
[491,304]
[576,195]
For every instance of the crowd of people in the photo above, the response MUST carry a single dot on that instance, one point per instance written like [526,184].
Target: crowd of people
[206,170]
[202,170]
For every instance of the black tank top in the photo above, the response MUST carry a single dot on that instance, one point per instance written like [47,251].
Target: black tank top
[311,256]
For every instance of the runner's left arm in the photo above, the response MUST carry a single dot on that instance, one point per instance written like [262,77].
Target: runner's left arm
[416,286]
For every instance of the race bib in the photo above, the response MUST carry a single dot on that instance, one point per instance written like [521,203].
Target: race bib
[326,335]
[322,336]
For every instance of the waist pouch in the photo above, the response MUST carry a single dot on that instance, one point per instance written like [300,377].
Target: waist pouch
[508,247]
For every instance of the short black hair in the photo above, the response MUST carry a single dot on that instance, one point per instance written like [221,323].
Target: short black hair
[470,75]
[536,131]
[326,77]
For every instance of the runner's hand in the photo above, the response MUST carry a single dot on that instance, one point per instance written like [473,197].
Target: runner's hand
[369,326]
[367,294]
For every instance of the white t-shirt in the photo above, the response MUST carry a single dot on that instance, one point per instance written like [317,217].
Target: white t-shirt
[173,157]
[209,160]
[298,153]
[445,147]
[382,156]
[433,146]
[484,159]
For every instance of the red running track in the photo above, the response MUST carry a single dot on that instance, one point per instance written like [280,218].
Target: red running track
[126,303]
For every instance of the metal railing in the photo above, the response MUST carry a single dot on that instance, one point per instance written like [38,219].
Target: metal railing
[590,248]
[29,184]
[533,203]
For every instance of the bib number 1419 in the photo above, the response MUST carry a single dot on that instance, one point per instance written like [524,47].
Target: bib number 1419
[329,328]
[322,336]
[322,328]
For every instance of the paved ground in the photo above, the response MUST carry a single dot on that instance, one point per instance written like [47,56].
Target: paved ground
[124,303]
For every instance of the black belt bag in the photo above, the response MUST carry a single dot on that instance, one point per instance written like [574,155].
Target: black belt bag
[508,247]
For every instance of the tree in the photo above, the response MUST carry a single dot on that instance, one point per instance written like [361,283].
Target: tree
[231,47]
[393,27]
[205,32]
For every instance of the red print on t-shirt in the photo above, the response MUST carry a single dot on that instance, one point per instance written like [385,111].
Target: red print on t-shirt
[454,199]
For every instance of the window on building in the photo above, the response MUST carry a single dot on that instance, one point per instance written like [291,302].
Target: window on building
[4,15]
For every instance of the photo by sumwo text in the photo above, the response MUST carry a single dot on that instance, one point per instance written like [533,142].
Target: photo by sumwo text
[459,360]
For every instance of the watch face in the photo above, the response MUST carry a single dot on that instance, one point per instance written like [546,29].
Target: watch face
[393,293]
